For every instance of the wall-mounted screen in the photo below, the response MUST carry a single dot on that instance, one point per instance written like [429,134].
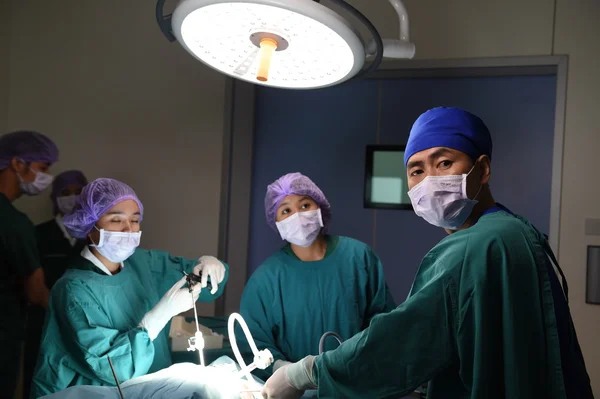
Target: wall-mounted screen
[386,185]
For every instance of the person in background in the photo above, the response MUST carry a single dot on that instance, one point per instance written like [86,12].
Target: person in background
[25,159]
[115,300]
[55,246]
[316,283]
[486,316]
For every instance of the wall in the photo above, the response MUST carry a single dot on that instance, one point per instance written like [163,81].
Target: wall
[326,132]
[577,33]
[4,65]
[469,28]
[121,101]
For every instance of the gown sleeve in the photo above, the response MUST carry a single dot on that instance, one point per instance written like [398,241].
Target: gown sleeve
[398,351]
[83,323]
[257,310]
[380,299]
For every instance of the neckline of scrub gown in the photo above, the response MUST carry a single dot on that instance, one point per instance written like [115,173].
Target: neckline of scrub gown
[89,274]
[293,261]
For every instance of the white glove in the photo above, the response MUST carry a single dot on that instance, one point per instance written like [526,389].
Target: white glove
[290,381]
[211,267]
[177,300]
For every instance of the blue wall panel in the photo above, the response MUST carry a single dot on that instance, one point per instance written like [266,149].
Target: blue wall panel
[323,134]
[519,111]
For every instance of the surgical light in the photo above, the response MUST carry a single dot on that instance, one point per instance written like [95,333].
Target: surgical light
[295,44]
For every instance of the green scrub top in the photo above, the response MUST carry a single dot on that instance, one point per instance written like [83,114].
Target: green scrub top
[289,304]
[18,259]
[479,323]
[92,316]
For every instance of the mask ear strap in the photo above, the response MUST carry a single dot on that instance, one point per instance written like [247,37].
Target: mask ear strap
[480,186]
[478,191]
[100,239]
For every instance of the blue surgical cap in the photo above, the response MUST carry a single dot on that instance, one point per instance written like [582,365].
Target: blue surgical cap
[28,146]
[452,128]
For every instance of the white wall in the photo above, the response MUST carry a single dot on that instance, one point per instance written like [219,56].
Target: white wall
[468,28]
[121,101]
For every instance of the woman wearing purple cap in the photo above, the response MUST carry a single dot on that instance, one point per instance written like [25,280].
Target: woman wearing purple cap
[316,283]
[116,299]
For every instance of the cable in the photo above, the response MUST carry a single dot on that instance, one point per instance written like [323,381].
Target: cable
[376,36]
[236,351]
[324,336]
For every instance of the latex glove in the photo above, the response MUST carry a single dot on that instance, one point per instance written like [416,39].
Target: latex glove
[279,364]
[209,266]
[290,381]
[177,300]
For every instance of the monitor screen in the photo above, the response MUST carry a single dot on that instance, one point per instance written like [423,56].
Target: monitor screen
[386,185]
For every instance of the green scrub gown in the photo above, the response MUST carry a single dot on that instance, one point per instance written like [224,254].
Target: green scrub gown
[479,323]
[55,252]
[289,304]
[18,259]
[92,316]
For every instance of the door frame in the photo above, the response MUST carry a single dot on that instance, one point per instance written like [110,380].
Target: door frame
[238,138]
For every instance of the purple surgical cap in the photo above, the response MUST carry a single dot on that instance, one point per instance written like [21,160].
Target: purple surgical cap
[64,180]
[28,146]
[298,184]
[452,128]
[95,200]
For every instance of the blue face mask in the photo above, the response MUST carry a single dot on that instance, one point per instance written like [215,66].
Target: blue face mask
[442,200]
[117,246]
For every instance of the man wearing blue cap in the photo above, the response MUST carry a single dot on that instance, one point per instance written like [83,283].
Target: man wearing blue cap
[25,158]
[486,317]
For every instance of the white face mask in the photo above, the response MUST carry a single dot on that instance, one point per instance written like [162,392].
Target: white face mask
[117,246]
[442,200]
[302,228]
[41,182]
[66,204]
